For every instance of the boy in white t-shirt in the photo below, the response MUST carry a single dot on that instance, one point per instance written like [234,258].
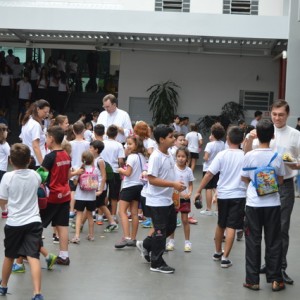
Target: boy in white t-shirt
[23,229]
[231,193]
[211,150]
[263,212]
[161,185]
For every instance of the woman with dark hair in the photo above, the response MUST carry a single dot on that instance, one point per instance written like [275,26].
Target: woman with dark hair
[32,133]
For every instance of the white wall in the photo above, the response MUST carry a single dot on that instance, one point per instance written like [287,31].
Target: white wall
[271,8]
[207,81]
[206,7]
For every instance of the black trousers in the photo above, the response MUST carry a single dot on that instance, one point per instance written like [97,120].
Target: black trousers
[164,223]
[257,219]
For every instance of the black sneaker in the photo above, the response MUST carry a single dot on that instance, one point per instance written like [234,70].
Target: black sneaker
[63,261]
[163,269]
[226,263]
[217,256]
[3,290]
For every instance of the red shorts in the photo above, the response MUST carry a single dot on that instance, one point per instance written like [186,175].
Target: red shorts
[185,206]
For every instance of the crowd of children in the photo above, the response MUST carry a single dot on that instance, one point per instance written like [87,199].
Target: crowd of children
[91,176]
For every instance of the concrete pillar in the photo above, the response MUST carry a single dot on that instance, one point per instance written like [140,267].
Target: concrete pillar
[293,63]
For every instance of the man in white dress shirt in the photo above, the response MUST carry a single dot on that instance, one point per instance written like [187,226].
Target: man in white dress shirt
[112,115]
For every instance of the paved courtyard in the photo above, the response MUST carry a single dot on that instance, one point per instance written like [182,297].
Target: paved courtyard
[98,271]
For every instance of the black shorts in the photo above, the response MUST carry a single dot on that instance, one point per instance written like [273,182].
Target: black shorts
[145,208]
[114,187]
[194,155]
[72,185]
[56,213]
[23,240]
[213,182]
[231,213]
[131,193]
[100,200]
[80,205]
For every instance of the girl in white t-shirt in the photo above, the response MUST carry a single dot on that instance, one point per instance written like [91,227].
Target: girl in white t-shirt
[85,200]
[4,153]
[184,174]
[131,191]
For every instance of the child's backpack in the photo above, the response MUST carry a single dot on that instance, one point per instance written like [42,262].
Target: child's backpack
[88,181]
[108,170]
[265,178]
[42,196]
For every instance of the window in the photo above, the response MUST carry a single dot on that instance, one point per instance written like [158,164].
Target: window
[254,100]
[240,7]
[174,5]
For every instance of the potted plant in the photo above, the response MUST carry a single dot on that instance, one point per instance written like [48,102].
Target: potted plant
[230,114]
[163,102]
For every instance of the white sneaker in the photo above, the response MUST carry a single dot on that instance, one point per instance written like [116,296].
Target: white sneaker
[170,246]
[206,212]
[188,247]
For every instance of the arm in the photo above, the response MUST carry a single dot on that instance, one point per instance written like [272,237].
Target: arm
[3,202]
[206,156]
[126,172]
[189,193]
[177,185]
[200,142]
[121,162]
[101,165]
[37,150]
[247,146]
[206,179]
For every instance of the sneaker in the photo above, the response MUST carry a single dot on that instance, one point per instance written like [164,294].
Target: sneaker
[75,240]
[192,221]
[55,239]
[188,247]
[144,252]
[51,261]
[38,297]
[141,218]
[163,269]
[278,286]
[90,238]
[16,268]
[129,218]
[71,215]
[206,212]
[226,263]
[111,227]
[170,246]
[63,261]
[99,222]
[147,223]
[250,286]
[3,290]
[125,242]
[217,256]
[239,235]
[178,223]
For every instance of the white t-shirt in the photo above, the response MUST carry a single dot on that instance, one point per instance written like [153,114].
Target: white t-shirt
[86,195]
[78,147]
[25,89]
[5,79]
[4,153]
[19,188]
[212,148]
[185,175]
[119,118]
[257,158]
[137,163]
[112,151]
[172,151]
[162,166]
[254,122]
[62,87]
[193,139]
[30,132]
[287,140]
[149,143]
[96,164]
[17,70]
[229,163]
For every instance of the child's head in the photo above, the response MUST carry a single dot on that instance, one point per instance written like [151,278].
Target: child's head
[78,128]
[217,131]
[179,139]
[242,124]
[135,144]
[182,155]
[99,130]
[87,158]
[62,121]
[176,119]
[235,135]
[112,131]
[194,127]
[95,115]
[20,155]
[88,126]
[141,129]
[55,136]
[82,116]
[265,130]
[98,146]
[65,145]
[70,136]
[161,131]
[3,133]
